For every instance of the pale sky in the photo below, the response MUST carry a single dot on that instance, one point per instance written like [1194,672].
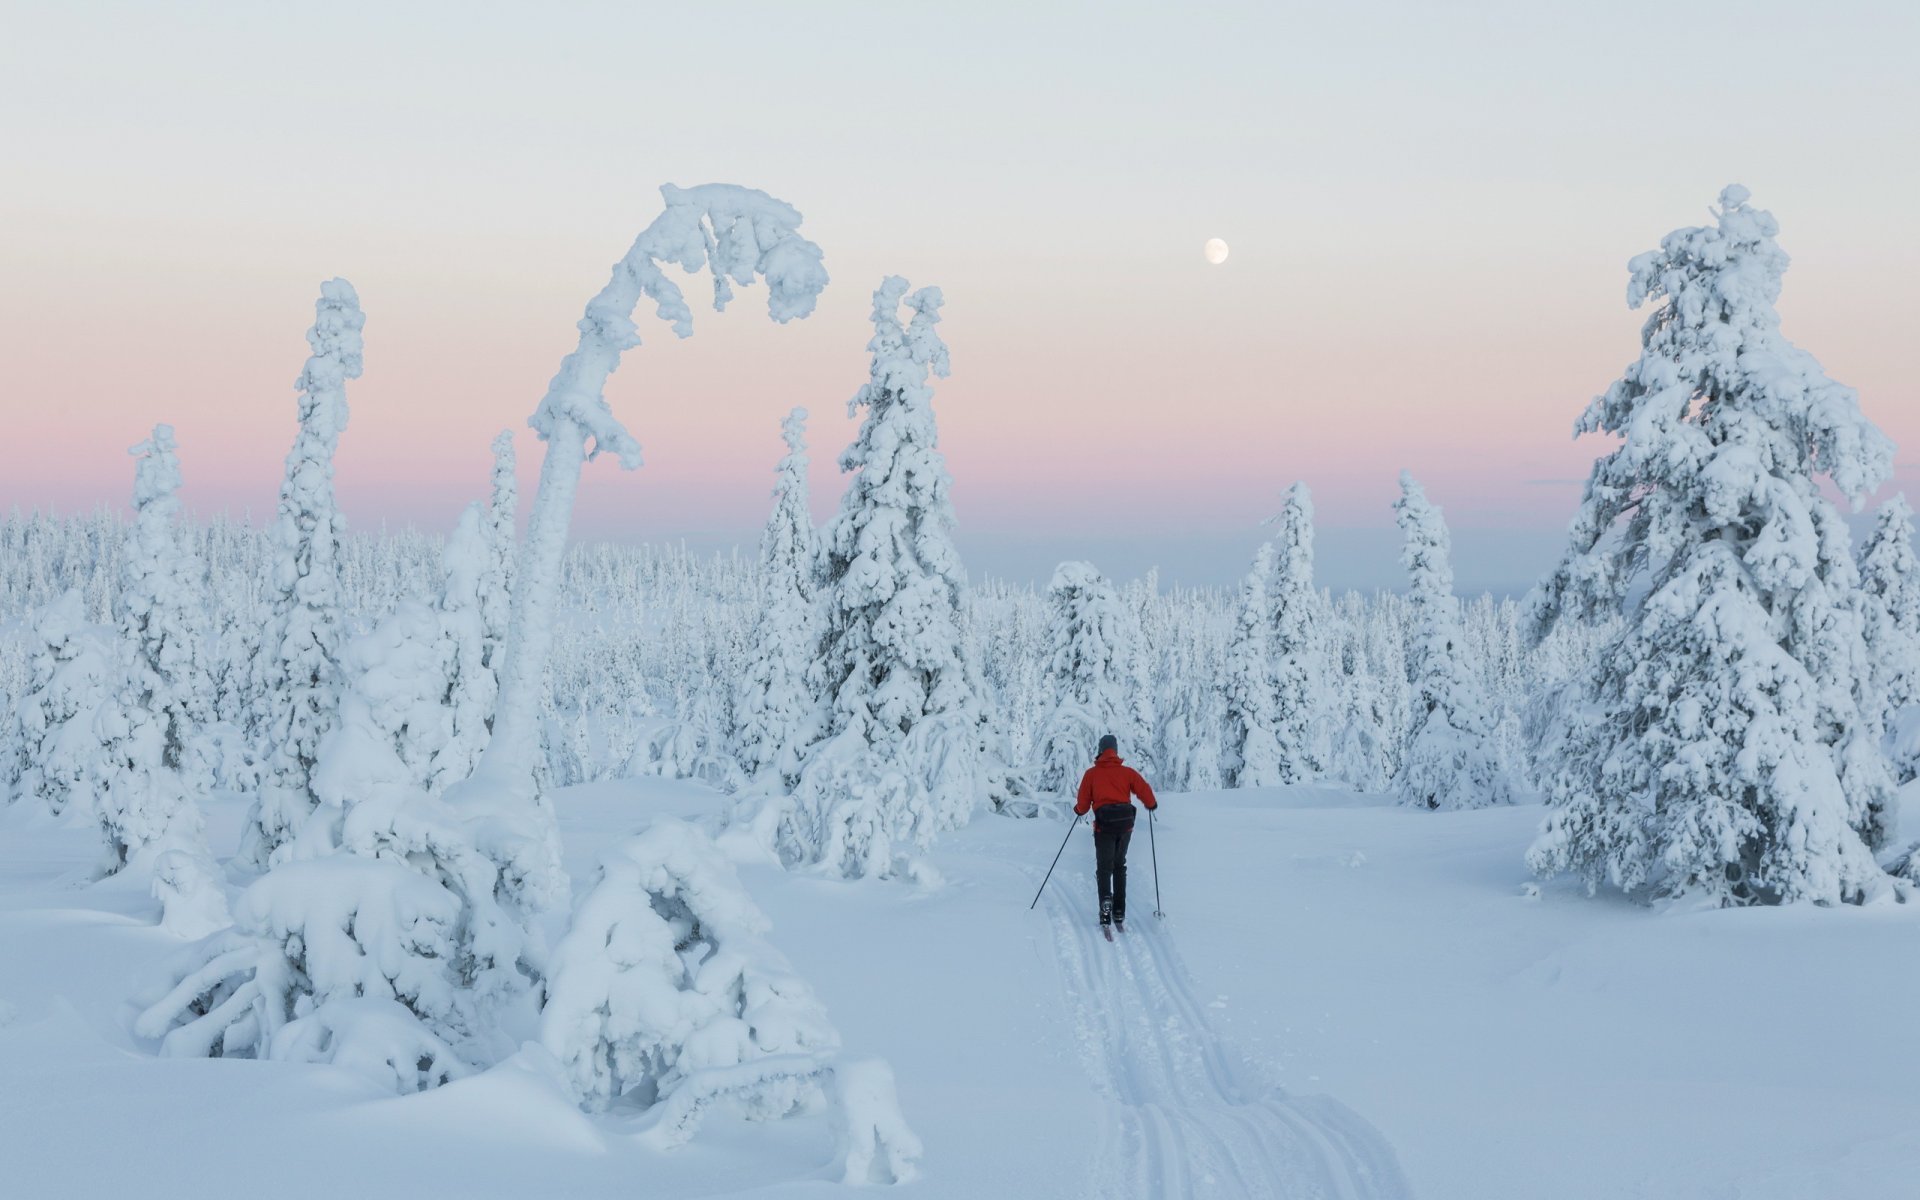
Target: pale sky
[1430,206]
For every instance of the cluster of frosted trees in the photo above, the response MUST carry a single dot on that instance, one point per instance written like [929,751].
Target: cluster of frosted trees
[390,719]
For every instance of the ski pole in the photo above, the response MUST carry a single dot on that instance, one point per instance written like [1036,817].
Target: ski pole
[1056,861]
[1155,849]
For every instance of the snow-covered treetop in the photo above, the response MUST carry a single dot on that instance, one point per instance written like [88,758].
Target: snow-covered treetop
[156,476]
[335,338]
[788,545]
[1721,419]
[1426,545]
[739,234]
[902,357]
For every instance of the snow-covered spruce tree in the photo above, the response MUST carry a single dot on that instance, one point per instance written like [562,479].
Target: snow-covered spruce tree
[1358,757]
[1723,753]
[1087,669]
[470,687]
[73,677]
[300,651]
[1449,759]
[153,766]
[775,715]
[1250,756]
[496,580]
[1299,713]
[1890,580]
[910,746]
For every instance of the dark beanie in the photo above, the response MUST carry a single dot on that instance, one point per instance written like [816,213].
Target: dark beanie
[1109,742]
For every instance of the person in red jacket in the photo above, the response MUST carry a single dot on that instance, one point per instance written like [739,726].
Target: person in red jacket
[1108,789]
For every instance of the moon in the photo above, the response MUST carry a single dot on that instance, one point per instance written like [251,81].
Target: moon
[1215,250]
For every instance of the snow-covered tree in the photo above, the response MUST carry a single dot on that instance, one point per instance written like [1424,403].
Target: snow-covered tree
[741,235]
[1251,754]
[1299,667]
[300,651]
[1087,670]
[1890,581]
[469,690]
[1449,759]
[153,763]
[1191,717]
[1359,756]
[392,926]
[901,687]
[775,714]
[496,580]
[73,677]
[1724,751]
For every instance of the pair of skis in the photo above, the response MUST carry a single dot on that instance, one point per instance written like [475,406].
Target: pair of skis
[1106,930]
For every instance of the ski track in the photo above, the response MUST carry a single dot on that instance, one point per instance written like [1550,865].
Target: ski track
[1187,1122]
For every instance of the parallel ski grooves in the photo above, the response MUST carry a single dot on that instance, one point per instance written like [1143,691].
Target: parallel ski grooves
[1187,1121]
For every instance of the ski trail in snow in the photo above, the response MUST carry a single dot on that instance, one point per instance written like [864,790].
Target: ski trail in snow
[1187,1122]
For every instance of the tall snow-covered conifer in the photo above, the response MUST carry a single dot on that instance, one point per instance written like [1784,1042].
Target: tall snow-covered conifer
[300,654]
[906,728]
[1251,755]
[496,581]
[775,717]
[470,687]
[1449,760]
[1725,752]
[153,762]
[1299,668]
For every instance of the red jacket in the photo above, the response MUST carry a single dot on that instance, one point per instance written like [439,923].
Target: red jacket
[1110,781]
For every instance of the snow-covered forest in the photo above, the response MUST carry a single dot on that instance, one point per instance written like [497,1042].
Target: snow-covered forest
[1713,695]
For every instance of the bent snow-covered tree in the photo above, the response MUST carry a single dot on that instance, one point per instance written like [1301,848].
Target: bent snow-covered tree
[1449,760]
[1087,668]
[300,652]
[1299,670]
[910,746]
[775,717]
[1724,752]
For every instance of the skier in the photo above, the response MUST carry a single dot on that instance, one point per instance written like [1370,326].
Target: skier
[1108,789]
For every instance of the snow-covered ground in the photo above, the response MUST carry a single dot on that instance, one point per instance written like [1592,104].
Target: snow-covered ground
[1346,998]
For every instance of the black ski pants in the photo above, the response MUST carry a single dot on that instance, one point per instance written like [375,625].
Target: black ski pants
[1110,838]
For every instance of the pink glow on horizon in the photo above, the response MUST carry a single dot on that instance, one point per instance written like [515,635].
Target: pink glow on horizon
[1429,253]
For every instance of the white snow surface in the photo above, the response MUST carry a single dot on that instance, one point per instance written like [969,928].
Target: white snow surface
[1348,997]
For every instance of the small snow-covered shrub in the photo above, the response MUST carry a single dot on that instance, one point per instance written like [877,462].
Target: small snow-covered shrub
[665,984]
[875,1144]
[192,902]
